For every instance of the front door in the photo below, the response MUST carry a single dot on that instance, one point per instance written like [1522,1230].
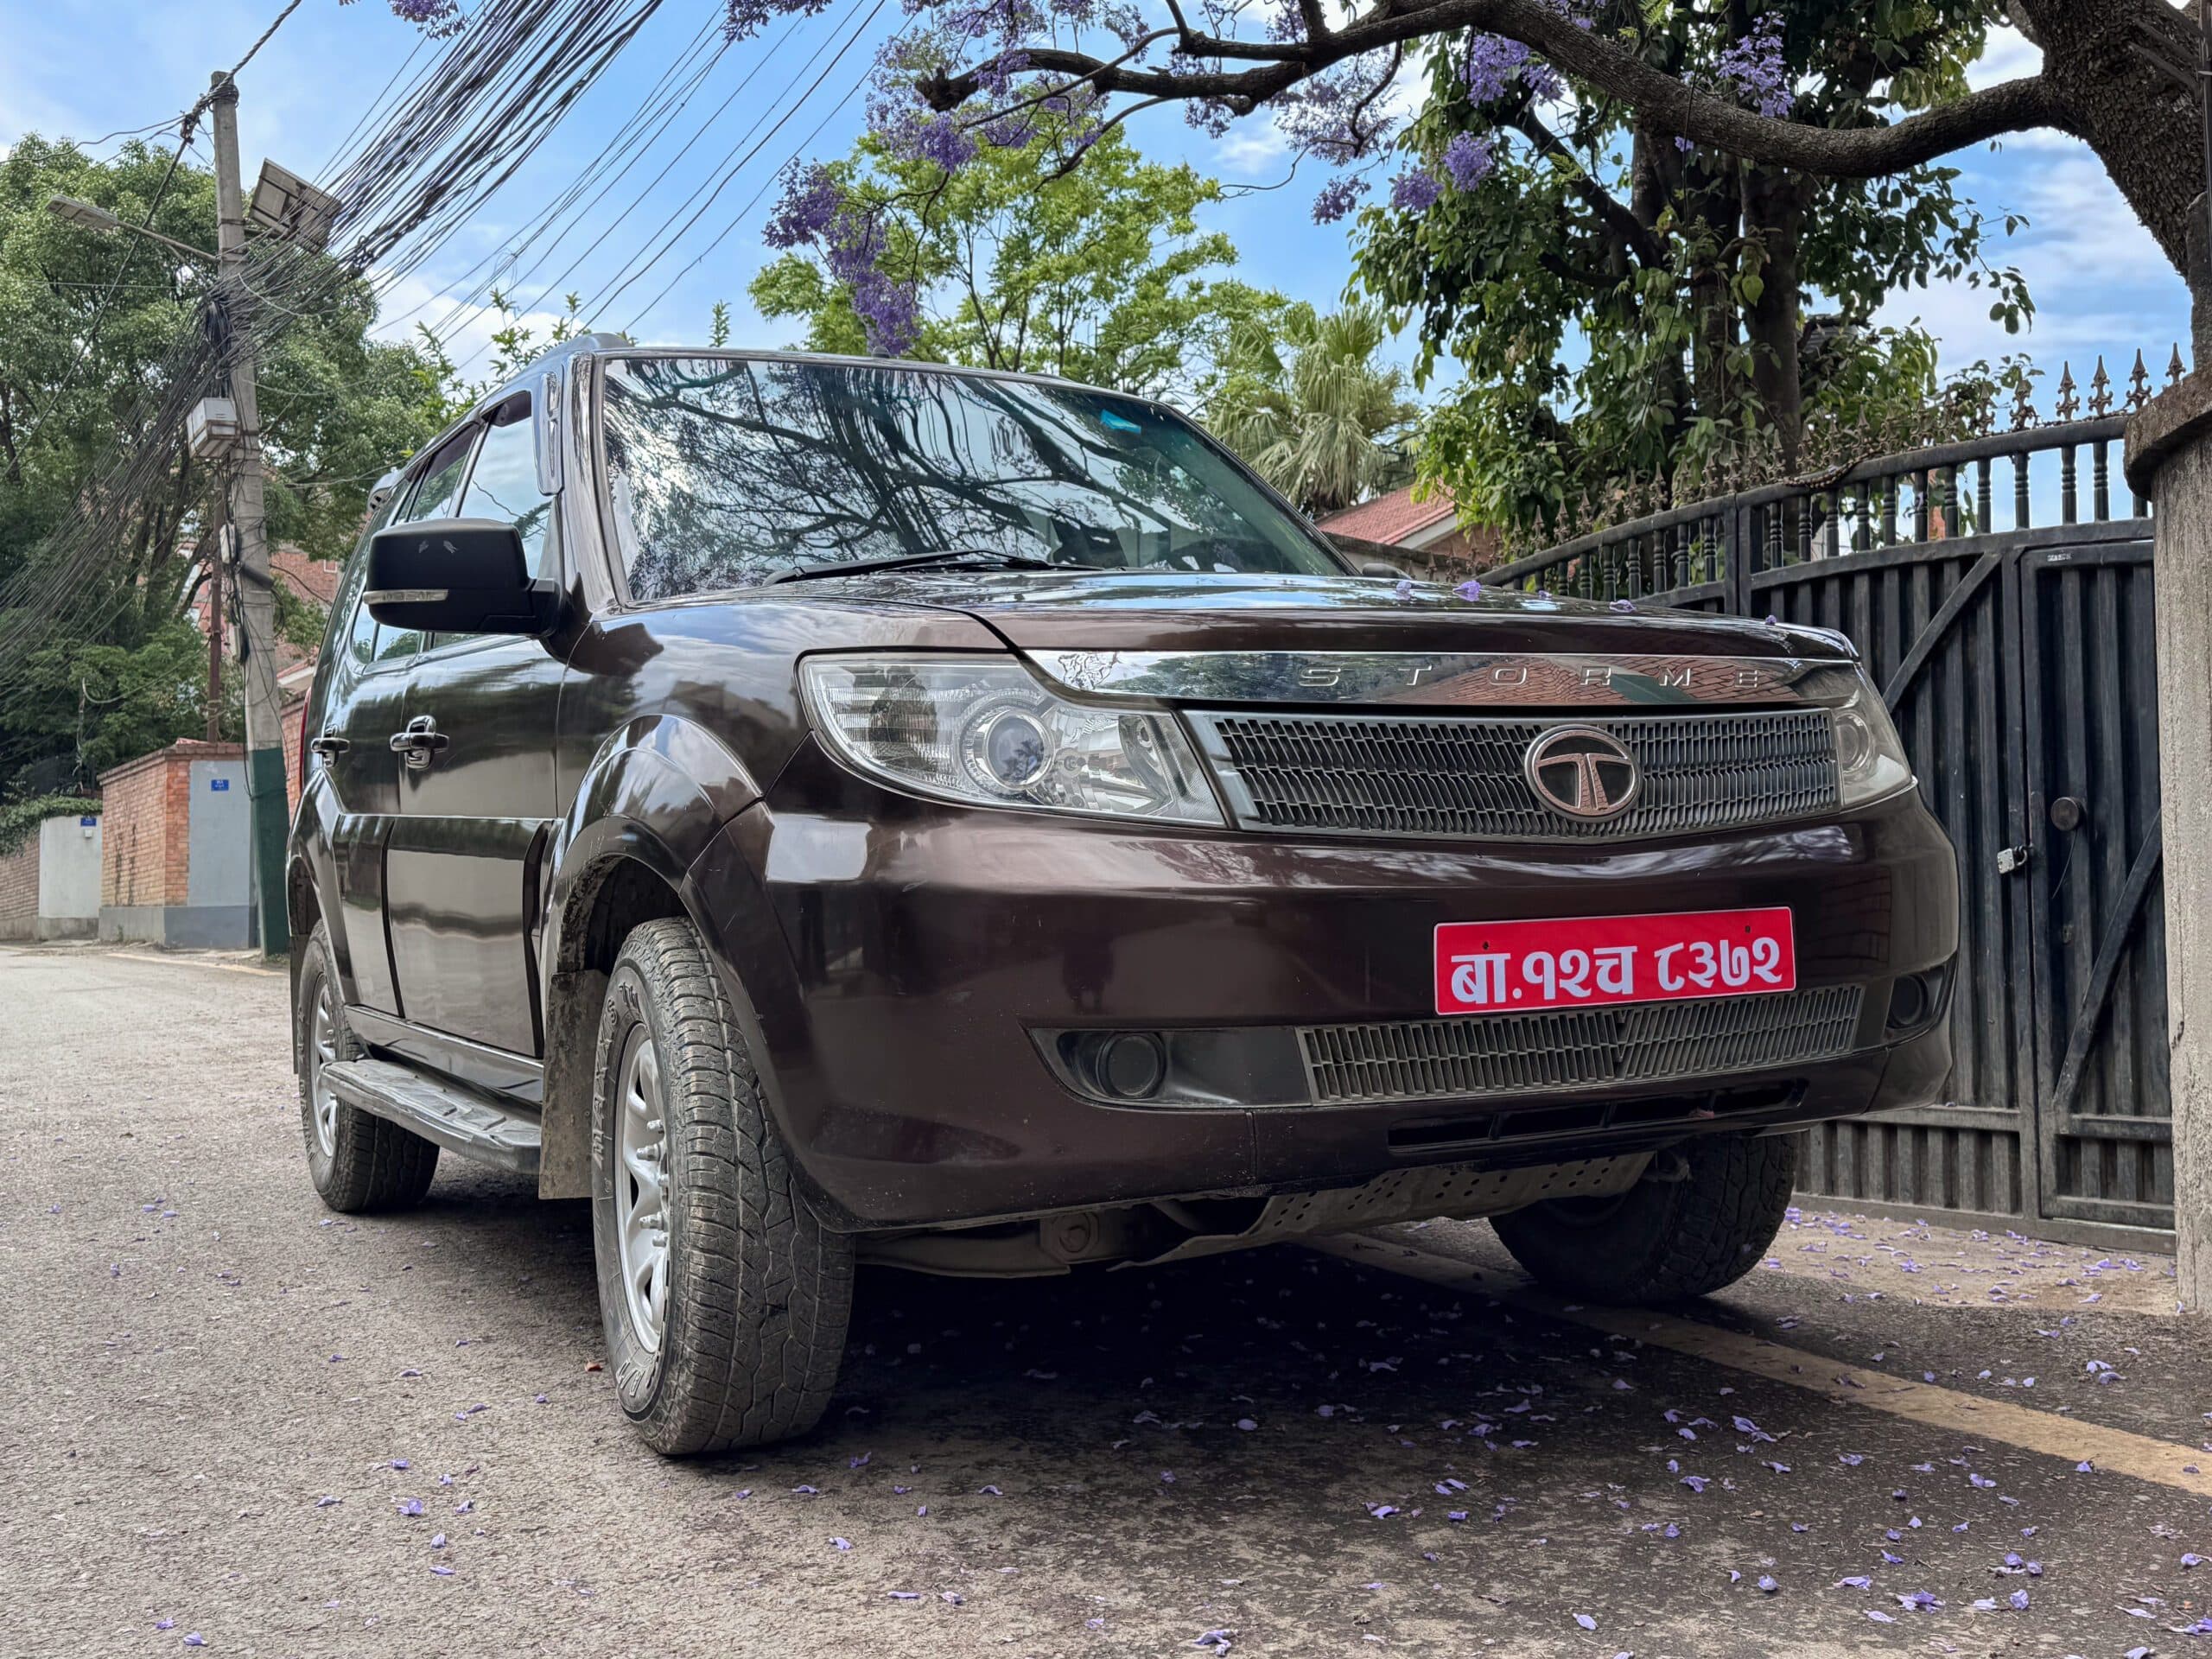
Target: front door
[476,788]
[462,864]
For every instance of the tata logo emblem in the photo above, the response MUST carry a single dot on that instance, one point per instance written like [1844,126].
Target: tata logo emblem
[1584,773]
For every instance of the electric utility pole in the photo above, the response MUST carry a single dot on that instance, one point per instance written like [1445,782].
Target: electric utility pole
[266,800]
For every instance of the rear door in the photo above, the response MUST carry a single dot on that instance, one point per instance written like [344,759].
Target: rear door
[368,687]
[463,862]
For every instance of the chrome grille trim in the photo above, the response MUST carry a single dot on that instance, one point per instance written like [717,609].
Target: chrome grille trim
[1443,777]
[1563,1049]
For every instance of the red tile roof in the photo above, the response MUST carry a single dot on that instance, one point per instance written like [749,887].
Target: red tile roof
[1390,519]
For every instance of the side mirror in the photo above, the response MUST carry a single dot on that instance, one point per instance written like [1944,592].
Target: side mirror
[1383,568]
[456,575]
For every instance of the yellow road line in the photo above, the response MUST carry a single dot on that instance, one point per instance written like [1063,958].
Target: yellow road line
[2114,1449]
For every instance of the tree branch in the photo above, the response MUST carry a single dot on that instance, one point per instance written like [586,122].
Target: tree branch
[1665,102]
[1615,217]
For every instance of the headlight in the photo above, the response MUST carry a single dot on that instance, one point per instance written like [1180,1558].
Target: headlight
[983,731]
[1869,759]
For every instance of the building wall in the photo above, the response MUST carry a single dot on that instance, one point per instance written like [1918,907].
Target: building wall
[163,812]
[19,891]
[69,877]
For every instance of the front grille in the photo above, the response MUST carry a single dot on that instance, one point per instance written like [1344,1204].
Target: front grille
[1565,1049]
[1411,775]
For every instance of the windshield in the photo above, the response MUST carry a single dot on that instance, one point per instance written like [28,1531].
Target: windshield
[725,473]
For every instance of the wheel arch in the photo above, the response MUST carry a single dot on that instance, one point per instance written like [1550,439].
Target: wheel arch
[654,797]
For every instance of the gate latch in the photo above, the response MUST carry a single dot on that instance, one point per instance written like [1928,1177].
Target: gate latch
[2011,860]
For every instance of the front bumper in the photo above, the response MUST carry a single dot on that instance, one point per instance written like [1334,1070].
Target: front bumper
[898,956]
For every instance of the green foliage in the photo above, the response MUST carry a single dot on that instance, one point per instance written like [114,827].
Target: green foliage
[1326,426]
[1101,275]
[20,820]
[122,670]
[1621,312]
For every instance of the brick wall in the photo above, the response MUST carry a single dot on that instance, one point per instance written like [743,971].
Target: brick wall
[292,755]
[19,890]
[144,848]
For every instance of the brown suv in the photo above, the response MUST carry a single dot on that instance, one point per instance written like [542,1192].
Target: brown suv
[834,812]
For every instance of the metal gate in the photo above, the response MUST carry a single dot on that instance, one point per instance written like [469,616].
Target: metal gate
[2019,666]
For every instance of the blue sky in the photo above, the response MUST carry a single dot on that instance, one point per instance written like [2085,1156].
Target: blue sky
[83,67]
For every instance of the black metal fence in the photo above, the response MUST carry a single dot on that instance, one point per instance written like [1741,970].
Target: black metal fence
[2018,660]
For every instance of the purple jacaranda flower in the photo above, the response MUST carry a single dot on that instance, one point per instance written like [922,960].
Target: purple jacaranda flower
[2189,1561]
[903,1595]
[443,1571]
[437,1541]
[326,1501]
[1469,588]
[990,1491]
[1754,65]
[1767,1584]
[1586,1621]
[1415,191]
[2019,1600]
[1856,1581]
[1336,198]
[1468,160]
[411,1506]
[841,1544]
[1879,1617]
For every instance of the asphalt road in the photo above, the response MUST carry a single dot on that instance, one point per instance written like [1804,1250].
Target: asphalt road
[223,1407]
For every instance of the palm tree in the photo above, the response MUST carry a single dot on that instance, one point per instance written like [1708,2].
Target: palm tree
[1327,429]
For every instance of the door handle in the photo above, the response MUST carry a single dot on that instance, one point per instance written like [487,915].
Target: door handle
[329,748]
[419,743]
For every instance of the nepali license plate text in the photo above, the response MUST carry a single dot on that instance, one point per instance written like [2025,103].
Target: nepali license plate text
[1586,961]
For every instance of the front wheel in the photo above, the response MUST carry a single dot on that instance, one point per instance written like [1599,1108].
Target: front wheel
[1691,1225]
[725,1301]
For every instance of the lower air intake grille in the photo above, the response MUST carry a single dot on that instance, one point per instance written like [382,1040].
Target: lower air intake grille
[1576,1048]
[1460,776]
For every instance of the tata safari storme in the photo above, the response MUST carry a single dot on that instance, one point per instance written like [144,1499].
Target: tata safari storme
[831,812]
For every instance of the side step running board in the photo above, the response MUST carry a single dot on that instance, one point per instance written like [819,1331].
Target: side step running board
[457,1117]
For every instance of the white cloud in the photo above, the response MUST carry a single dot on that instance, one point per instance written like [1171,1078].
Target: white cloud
[2100,281]
[2007,56]
[464,328]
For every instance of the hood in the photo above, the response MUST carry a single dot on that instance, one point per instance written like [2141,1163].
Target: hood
[1035,611]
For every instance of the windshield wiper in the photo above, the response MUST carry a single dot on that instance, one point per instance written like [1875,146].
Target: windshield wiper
[904,561]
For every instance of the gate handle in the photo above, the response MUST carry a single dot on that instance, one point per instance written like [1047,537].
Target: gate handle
[2067,812]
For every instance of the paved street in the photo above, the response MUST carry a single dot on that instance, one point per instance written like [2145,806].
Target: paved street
[224,1406]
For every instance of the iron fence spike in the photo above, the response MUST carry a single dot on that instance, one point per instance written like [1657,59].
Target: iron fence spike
[2101,390]
[2174,370]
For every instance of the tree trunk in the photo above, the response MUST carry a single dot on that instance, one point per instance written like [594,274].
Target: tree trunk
[1774,212]
[2143,120]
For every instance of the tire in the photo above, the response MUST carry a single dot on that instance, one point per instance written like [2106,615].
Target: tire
[735,1340]
[1663,1240]
[358,1162]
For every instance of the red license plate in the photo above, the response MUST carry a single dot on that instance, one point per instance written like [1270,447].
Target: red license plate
[1586,962]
